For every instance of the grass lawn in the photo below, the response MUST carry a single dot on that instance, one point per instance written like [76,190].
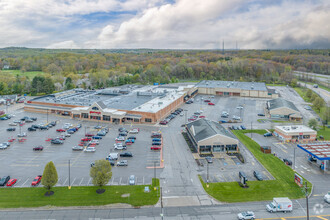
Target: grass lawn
[31,74]
[282,186]
[302,92]
[77,196]
[324,132]
[271,84]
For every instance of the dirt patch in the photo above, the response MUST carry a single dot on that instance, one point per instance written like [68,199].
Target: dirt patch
[125,195]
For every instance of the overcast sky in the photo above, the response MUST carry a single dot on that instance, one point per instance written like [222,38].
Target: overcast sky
[165,24]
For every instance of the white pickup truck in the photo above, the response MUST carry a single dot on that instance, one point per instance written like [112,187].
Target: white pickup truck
[283,204]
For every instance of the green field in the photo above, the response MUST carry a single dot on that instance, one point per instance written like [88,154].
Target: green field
[324,132]
[77,196]
[282,186]
[31,74]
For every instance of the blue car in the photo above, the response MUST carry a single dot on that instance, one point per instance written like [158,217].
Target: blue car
[130,140]
[268,134]
[4,118]
[243,127]
[97,137]
[223,121]
[156,139]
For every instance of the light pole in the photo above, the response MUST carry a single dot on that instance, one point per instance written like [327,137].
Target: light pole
[47,115]
[185,115]
[306,194]
[155,174]
[161,204]
[69,177]
[251,130]
[207,175]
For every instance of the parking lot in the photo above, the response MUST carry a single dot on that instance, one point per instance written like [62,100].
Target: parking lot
[21,162]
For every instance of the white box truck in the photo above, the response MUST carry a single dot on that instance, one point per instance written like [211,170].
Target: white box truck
[280,205]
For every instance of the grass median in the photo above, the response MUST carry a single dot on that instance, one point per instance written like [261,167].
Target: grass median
[282,186]
[78,196]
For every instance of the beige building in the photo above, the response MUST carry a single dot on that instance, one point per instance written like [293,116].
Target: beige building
[295,133]
[283,109]
[233,88]
[211,137]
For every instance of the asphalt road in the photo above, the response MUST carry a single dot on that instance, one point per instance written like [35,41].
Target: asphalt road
[318,77]
[322,92]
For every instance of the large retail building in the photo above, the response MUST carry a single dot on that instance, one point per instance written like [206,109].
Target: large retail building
[137,103]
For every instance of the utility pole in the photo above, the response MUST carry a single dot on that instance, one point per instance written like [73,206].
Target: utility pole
[223,47]
[306,193]
[161,204]
[47,115]
[155,173]
[186,116]
[294,158]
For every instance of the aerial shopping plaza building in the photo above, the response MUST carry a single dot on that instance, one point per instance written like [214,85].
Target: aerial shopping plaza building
[137,103]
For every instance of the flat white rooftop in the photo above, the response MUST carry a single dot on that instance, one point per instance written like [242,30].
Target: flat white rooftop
[319,150]
[295,129]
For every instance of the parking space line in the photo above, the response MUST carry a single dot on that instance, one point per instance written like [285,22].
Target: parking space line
[112,181]
[81,181]
[58,180]
[24,182]
[143,181]
[65,181]
[73,181]
[120,181]
[89,181]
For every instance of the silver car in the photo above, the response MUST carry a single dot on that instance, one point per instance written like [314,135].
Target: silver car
[132,180]
[122,163]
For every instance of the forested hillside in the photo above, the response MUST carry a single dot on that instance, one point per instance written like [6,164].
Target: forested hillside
[66,69]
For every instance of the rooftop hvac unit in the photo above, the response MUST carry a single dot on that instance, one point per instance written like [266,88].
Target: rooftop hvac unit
[252,87]
[160,103]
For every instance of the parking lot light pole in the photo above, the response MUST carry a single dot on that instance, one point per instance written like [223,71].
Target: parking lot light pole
[207,175]
[69,177]
[185,116]
[155,174]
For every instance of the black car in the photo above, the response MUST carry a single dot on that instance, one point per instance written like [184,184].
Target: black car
[43,128]
[35,126]
[209,159]
[257,175]
[122,134]
[28,120]
[121,129]
[261,114]
[33,118]
[287,162]
[53,123]
[156,143]
[57,141]
[11,129]
[32,129]
[24,118]
[4,180]
[126,154]
[132,137]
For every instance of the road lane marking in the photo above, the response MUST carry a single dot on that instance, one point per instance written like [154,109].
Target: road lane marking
[301,206]
[321,218]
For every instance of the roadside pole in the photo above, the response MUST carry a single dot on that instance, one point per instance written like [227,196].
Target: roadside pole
[69,177]
[306,193]
[207,174]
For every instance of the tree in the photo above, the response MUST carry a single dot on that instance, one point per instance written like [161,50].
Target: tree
[318,103]
[312,123]
[49,177]
[325,116]
[309,93]
[100,173]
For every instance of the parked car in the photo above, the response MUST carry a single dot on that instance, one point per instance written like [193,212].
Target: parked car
[134,131]
[21,134]
[210,103]
[89,135]
[11,129]
[261,114]
[131,137]
[120,138]
[129,141]
[60,130]
[156,147]
[257,175]
[77,148]
[56,141]
[94,142]
[4,180]
[86,139]
[207,100]
[12,124]
[38,148]
[126,154]
[239,107]
[120,147]
[327,197]
[3,146]
[246,215]
[36,180]
[97,137]
[209,159]
[122,163]
[31,129]
[98,127]
[236,117]
[243,127]
[268,134]
[28,120]
[156,143]
[43,128]
[101,133]
[90,149]
[122,134]
[164,122]
[11,182]
[132,180]
[287,162]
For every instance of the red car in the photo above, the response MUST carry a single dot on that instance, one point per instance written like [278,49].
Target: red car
[11,182]
[201,116]
[61,130]
[156,147]
[38,148]
[89,135]
[210,103]
[163,122]
[86,139]
[207,100]
[36,180]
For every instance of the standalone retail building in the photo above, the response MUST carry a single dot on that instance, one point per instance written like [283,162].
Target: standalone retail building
[210,137]
[283,109]
[295,133]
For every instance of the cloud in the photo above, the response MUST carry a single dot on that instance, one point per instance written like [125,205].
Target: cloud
[168,24]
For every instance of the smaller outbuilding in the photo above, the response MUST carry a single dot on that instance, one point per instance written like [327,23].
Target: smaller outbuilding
[295,133]
[283,109]
[210,137]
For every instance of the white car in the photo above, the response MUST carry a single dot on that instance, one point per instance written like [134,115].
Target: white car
[21,135]
[68,124]
[181,114]
[3,146]
[67,135]
[239,107]
[90,149]
[236,117]
[134,131]
[94,142]
[120,138]
[120,147]
[12,124]
[327,197]
[132,180]
[246,215]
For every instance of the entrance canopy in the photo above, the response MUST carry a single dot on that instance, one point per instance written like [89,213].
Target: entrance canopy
[319,150]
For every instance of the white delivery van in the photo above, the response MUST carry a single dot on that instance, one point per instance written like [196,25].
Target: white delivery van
[113,156]
[283,204]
